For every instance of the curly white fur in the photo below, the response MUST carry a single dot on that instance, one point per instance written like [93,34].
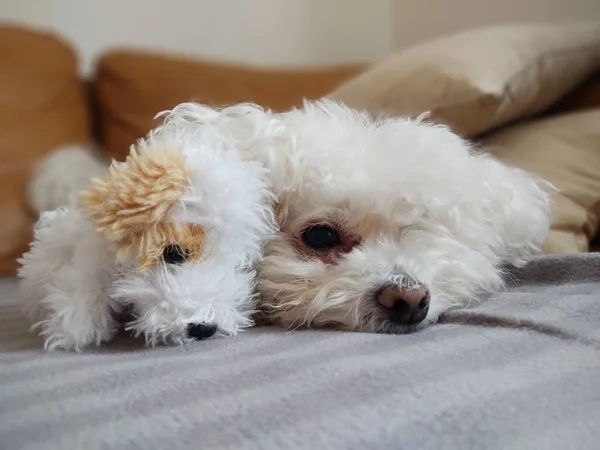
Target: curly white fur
[74,289]
[411,199]
[418,201]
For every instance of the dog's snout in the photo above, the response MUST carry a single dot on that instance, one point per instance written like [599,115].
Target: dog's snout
[406,305]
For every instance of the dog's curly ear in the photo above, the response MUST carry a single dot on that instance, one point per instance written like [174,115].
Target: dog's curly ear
[131,204]
[516,207]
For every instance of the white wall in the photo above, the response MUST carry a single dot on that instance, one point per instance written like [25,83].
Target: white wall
[269,32]
[416,20]
[276,32]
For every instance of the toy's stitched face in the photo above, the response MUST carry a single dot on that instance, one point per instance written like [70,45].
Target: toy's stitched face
[131,207]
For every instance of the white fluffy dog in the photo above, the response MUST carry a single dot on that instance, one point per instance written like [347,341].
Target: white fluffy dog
[383,223]
[170,237]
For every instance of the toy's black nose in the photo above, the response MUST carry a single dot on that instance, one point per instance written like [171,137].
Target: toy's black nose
[201,331]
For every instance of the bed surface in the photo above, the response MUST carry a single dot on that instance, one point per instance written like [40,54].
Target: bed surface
[520,370]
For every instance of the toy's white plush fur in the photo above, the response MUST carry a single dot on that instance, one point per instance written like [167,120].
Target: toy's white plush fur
[74,289]
[412,200]
[52,187]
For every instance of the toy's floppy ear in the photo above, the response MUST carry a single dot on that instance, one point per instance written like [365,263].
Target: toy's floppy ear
[131,205]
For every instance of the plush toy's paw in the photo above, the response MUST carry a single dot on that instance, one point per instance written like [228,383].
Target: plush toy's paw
[63,280]
[75,319]
[201,331]
[63,334]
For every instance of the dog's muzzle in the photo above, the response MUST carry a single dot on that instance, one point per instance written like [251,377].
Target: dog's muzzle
[405,304]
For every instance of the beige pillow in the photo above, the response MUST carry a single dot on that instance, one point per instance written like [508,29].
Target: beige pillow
[480,79]
[565,150]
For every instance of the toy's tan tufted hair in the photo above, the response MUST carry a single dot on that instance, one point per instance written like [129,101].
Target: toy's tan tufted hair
[131,205]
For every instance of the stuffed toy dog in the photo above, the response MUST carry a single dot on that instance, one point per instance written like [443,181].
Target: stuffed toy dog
[169,237]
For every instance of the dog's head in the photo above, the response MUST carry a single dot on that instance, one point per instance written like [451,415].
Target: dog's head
[185,217]
[384,223]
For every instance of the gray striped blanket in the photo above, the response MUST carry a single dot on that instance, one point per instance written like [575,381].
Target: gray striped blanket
[518,371]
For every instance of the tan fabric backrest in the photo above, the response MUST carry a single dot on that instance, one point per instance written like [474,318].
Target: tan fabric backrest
[42,106]
[132,87]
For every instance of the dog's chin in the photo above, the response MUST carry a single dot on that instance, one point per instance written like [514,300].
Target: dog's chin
[389,327]
[370,322]
[382,326]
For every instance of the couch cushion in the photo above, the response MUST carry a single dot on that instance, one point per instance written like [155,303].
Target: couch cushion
[480,79]
[132,87]
[565,150]
[42,106]
[585,96]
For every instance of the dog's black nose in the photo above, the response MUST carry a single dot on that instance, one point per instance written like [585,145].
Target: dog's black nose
[405,305]
[201,331]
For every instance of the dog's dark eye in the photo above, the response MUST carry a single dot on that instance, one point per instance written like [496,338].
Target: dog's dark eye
[174,254]
[321,237]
